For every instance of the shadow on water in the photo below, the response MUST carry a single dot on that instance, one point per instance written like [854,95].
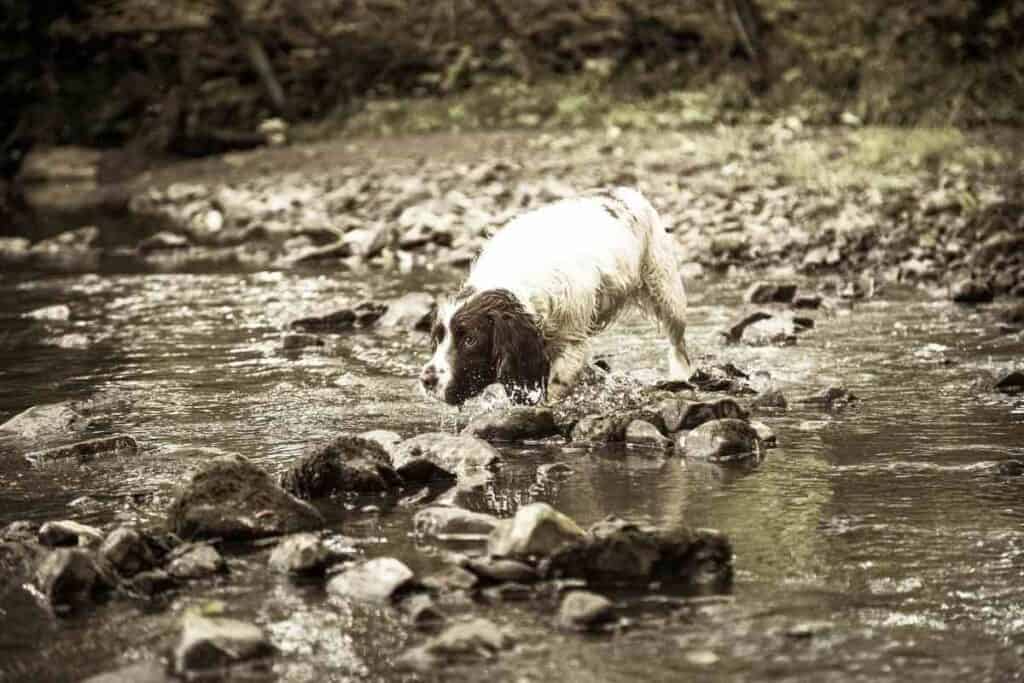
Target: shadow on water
[877,542]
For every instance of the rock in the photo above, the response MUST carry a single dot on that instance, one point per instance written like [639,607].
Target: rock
[727,378]
[765,433]
[536,529]
[517,424]
[682,414]
[422,612]
[67,532]
[971,291]
[725,440]
[45,422]
[831,398]
[73,250]
[68,576]
[384,438]
[771,399]
[500,570]
[338,321]
[584,611]
[436,455]
[642,433]
[346,463]
[127,551]
[380,580]
[507,592]
[466,642]
[83,451]
[618,551]
[452,578]
[612,428]
[1011,468]
[152,582]
[301,553]
[770,293]
[149,671]
[293,341]
[163,241]
[61,164]
[735,333]
[447,522]
[195,561]
[14,251]
[1012,383]
[209,643]
[231,498]
[773,331]
[809,301]
[413,311]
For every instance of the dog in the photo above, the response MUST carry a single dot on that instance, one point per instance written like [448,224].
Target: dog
[545,284]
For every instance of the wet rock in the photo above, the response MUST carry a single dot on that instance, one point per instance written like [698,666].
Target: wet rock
[195,561]
[1013,383]
[60,164]
[536,529]
[301,553]
[151,582]
[770,293]
[212,643]
[727,378]
[642,433]
[338,321]
[773,331]
[346,463]
[380,580]
[808,301]
[163,241]
[73,250]
[231,498]
[507,592]
[765,433]
[384,438]
[421,611]
[618,551]
[500,570]
[682,414]
[84,451]
[450,579]
[413,311]
[466,642]
[294,341]
[771,399]
[725,440]
[141,672]
[611,428]
[67,532]
[444,522]
[972,291]
[584,611]
[735,333]
[517,424]
[69,576]
[831,398]
[44,422]
[436,455]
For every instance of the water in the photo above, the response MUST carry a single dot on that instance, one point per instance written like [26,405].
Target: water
[876,543]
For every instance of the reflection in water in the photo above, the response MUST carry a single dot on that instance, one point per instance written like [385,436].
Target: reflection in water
[881,536]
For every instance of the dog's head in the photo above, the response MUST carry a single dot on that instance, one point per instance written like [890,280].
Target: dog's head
[482,338]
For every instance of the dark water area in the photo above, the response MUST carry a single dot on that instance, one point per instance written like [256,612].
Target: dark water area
[879,542]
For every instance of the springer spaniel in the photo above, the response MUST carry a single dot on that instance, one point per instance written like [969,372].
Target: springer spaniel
[543,285]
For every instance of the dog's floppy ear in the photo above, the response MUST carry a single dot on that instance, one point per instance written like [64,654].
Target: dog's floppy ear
[518,355]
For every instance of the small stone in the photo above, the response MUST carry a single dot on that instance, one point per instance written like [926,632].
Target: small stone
[67,532]
[507,592]
[641,433]
[765,433]
[771,399]
[725,440]
[466,642]
[68,576]
[536,529]
[380,580]
[501,569]
[808,301]
[831,398]
[84,451]
[301,553]
[208,643]
[195,561]
[293,341]
[584,611]
[518,424]
[127,551]
[1012,383]
[346,463]
[447,522]
[971,291]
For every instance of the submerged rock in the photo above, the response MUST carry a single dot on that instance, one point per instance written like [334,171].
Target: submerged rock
[536,529]
[85,450]
[141,672]
[346,463]
[727,378]
[643,433]
[584,611]
[618,551]
[443,521]
[1013,383]
[380,580]
[831,398]
[466,642]
[771,399]
[724,440]
[518,424]
[68,532]
[209,643]
[436,455]
[231,498]
[69,576]
[682,414]
[770,292]
[303,553]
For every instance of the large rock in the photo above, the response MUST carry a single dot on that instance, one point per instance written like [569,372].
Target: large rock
[453,522]
[413,311]
[770,292]
[436,455]
[466,642]
[87,450]
[44,422]
[682,414]
[644,434]
[536,529]
[231,498]
[518,424]
[618,551]
[346,463]
[584,611]
[725,440]
[69,576]
[380,580]
[303,553]
[213,643]
[68,532]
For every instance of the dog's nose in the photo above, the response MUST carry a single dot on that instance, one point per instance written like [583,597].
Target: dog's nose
[429,377]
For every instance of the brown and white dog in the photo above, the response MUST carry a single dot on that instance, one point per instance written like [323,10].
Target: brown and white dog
[543,286]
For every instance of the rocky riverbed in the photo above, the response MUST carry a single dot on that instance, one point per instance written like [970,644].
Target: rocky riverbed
[219,465]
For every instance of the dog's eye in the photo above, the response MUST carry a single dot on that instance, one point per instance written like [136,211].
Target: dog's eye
[469,341]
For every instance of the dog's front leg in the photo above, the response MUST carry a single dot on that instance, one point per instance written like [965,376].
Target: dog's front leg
[565,369]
